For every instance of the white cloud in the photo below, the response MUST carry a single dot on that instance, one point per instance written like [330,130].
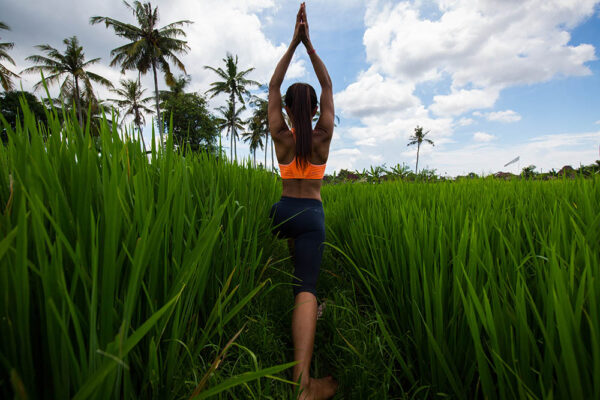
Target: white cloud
[343,159]
[598,122]
[485,43]
[371,95]
[461,101]
[483,137]
[500,116]
[465,121]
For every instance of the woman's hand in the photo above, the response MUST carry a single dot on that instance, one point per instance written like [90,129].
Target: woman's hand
[304,36]
[298,29]
[301,28]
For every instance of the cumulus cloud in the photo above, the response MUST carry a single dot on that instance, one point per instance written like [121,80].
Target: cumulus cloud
[461,101]
[483,137]
[465,121]
[477,49]
[485,43]
[372,94]
[500,116]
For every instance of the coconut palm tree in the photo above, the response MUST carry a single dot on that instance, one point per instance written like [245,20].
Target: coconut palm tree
[149,47]
[235,84]
[72,66]
[232,122]
[260,120]
[177,89]
[133,103]
[418,138]
[6,75]
[254,136]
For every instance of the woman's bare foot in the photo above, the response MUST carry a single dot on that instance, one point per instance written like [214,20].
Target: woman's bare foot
[319,389]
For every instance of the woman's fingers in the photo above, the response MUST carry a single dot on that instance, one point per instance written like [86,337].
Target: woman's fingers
[299,15]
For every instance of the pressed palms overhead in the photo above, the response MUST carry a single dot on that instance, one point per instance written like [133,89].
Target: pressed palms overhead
[234,84]
[149,47]
[72,66]
[6,75]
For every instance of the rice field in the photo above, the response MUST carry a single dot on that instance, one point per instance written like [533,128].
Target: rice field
[127,276]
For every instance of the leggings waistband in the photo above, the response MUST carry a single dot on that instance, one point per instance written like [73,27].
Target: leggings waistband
[301,201]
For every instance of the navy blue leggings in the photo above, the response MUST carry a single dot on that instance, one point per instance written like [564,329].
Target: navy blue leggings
[304,221]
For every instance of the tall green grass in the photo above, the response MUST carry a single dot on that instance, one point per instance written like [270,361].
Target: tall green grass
[119,273]
[127,276]
[481,289]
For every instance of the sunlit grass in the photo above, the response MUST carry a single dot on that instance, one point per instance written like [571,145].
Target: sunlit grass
[131,276]
[119,273]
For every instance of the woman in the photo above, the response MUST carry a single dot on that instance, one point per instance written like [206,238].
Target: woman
[302,153]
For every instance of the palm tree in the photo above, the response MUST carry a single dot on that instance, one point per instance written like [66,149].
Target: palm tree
[255,135]
[6,75]
[149,46]
[133,103]
[178,87]
[418,138]
[72,65]
[260,120]
[234,84]
[231,121]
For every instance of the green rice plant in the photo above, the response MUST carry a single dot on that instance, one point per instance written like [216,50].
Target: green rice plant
[480,288]
[121,273]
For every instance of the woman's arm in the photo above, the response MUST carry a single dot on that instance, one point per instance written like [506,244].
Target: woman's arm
[326,120]
[276,122]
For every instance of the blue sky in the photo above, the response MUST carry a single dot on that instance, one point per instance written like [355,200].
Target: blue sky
[490,79]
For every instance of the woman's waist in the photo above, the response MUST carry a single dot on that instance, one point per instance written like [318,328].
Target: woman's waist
[309,189]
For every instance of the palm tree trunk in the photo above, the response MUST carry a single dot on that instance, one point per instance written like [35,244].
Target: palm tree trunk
[77,101]
[266,144]
[158,122]
[272,162]
[418,148]
[255,158]
[139,126]
[142,136]
[220,147]
[232,99]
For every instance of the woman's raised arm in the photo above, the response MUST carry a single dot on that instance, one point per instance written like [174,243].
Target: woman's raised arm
[276,122]
[326,120]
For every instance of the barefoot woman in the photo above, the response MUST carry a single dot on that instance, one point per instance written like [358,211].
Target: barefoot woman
[302,153]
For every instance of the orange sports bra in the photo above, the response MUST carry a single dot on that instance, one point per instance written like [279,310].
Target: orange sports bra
[309,171]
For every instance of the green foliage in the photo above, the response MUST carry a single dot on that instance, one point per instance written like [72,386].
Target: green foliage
[6,75]
[124,276]
[235,84]
[480,288]
[148,47]
[10,108]
[73,67]
[192,125]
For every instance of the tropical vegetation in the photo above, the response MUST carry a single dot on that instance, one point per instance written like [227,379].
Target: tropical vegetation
[132,102]
[149,47]
[6,75]
[465,289]
[418,138]
[70,65]
[235,84]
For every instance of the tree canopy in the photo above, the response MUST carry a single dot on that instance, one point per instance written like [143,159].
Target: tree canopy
[194,128]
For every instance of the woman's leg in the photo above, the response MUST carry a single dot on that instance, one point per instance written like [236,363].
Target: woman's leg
[304,324]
